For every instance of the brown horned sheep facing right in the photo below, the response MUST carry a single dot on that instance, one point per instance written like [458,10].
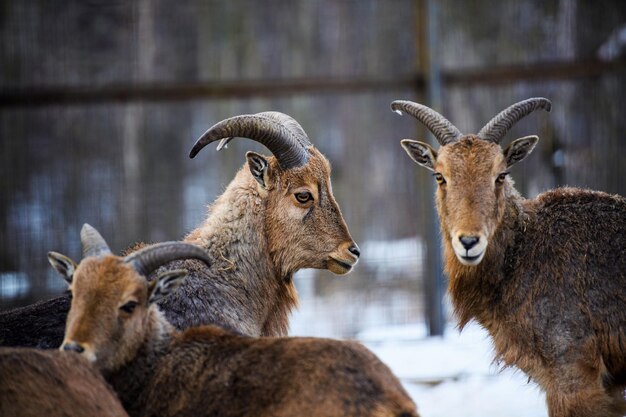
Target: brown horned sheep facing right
[277,216]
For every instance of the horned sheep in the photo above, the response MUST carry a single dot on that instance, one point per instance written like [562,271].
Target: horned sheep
[277,216]
[545,276]
[204,371]
[35,382]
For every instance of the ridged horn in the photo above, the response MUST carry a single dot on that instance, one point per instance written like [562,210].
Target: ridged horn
[291,124]
[92,242]
[281,134]
[444,131]
[497,127]
[288,121]
[146,260]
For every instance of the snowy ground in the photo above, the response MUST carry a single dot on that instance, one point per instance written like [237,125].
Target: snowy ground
[453,375]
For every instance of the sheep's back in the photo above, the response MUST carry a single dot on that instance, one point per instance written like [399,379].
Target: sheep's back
[212,372]
[567,274]
[52,383]
[40,325]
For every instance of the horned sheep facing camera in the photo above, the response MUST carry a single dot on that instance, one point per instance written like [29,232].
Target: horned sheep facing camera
[545,276]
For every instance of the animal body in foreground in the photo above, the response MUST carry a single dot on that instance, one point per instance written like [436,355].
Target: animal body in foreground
[158,371]
[36,382]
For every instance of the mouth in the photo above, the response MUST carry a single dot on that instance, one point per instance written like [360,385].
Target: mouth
[470,260]
[469,247]
[339,267]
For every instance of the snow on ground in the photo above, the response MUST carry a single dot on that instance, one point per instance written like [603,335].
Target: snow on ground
[453,375]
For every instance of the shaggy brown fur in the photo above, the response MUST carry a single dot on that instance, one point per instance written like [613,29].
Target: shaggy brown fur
[551,287]
[259,235]
[209,371]
[35,383]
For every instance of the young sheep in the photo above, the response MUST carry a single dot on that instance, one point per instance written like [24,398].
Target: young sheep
[277,216]
[545,276]
[35,383]
[207,371]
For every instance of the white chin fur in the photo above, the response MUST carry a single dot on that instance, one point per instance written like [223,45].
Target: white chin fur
[473,256]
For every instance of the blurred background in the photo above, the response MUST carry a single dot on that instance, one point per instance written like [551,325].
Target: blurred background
[101,101]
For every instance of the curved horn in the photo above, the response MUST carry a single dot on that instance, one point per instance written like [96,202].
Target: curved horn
[150,258]
[286,120]
[497,127]
[444,131]
[291,124]
[281,139]
[93,243]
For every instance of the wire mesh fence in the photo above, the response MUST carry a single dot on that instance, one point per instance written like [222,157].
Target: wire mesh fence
[87,152]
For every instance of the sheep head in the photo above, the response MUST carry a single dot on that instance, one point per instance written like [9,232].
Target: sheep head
[111,296]
[303,222]
[471,172]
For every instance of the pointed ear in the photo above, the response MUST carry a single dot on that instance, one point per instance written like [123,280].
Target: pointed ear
[63,265]
[519,149]
[420,152]
[165,284]
[259,168]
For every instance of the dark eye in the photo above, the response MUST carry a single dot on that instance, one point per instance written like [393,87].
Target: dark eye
[440,179]
[304,197]
[129,307]
[501,177]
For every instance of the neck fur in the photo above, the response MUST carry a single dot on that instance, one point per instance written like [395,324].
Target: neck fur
[130,380]
[476,290]
[234,235]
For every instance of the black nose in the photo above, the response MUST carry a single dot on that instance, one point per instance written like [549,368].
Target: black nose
[354,249]
[73,347]
[468,242]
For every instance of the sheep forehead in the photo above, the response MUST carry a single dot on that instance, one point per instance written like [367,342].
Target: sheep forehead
[470,159]
[106,279]
[315,171]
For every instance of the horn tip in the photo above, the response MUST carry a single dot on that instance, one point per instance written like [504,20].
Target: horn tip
[86,228]
[544,103]
[548,106]
[396,106]
[194,151]
[202,141]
